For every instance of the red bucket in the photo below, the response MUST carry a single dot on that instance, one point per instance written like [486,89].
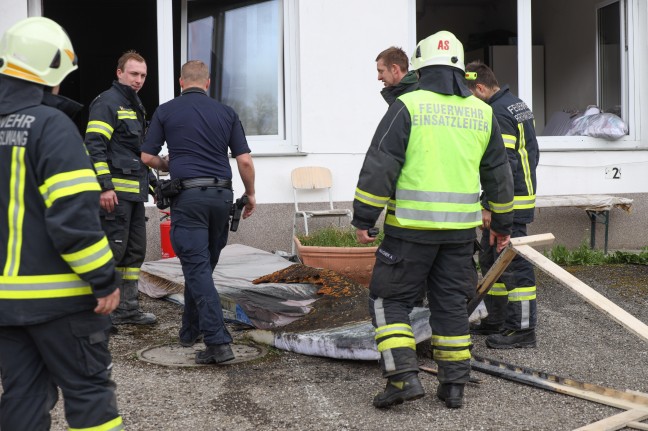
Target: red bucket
[165,236]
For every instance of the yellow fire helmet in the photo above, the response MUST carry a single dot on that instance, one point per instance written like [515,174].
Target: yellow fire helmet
[38,50]
[440,49]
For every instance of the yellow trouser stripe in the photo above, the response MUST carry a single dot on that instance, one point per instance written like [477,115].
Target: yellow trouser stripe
[451,341]
[498,289]
[15,211]
[451,355]
[522,294]
[396,342]
[129,273]
[113,425]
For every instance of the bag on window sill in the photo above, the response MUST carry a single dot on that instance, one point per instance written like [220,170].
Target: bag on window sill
[598,125]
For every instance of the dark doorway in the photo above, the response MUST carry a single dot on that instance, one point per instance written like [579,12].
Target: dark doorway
[101,31]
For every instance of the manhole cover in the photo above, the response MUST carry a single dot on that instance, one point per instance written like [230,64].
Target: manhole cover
[175,355]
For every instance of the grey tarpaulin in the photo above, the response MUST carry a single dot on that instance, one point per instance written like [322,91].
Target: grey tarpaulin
[270,306]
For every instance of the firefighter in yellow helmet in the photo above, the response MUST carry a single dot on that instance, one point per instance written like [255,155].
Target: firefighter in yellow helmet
[432,153]
[56,289]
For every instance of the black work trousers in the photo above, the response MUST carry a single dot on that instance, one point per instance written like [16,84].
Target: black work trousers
[70,352]
[511,302]
[199,230]
[447,272]
[125,229]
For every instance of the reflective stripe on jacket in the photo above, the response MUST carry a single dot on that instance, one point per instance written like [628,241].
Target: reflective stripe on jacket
[114,137]
[54,256]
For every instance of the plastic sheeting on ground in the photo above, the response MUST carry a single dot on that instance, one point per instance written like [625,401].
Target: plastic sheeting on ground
[270,306]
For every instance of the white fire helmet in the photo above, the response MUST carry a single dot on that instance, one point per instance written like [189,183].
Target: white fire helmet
[440,49]
[38,50]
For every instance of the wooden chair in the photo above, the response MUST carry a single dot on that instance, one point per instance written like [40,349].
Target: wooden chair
[314,179]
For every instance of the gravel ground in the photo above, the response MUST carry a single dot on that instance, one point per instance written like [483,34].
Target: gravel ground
[294,392]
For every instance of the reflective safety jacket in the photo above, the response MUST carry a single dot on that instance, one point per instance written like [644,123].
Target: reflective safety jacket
[518,132]
[54,257]
[114,136]
[430,154]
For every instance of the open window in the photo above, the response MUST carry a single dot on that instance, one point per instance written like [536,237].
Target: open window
[561,57]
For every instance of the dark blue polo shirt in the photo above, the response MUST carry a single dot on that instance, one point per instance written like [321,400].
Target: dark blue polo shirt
[198,131]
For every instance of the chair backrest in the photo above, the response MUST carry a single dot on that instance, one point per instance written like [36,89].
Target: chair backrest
[311,178]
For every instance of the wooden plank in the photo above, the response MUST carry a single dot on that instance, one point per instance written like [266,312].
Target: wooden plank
[616,422]
[592,296]
[637,425]
[502,262]
[535,240]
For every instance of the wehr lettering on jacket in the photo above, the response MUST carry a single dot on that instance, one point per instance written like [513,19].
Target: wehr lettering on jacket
[520,111]
[14,129]
[460,117]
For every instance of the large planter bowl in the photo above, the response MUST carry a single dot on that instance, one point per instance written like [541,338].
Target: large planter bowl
[355,263]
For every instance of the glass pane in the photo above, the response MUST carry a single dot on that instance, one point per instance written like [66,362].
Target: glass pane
[609,44]
[243,47]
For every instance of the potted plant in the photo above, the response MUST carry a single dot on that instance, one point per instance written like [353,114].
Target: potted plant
[337,249]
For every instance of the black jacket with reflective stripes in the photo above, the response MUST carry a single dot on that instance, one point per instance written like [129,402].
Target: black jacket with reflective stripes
[54,256]
[516,122]
[114,137]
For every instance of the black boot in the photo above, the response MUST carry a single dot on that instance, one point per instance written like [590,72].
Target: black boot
[400,387]
[128,311]
[484,329]
[215,354]
[510,339]
[451,393]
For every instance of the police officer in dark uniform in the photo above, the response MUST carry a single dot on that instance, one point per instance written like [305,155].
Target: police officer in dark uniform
[115,132]
[199,131]
[58,282]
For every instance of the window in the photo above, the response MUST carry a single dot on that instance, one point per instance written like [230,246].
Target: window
[559,56]
[610,79]
[243,44]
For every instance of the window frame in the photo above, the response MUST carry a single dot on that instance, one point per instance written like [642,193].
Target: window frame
[288,84]
[629,19]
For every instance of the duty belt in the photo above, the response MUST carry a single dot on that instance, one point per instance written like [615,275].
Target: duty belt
[206,182]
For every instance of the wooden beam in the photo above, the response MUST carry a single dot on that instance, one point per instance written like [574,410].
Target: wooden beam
[589,294]
[637,425]
[616,422]
[502,262]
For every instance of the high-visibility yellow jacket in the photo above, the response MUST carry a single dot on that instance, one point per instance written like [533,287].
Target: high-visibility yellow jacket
[429,156]
[54,257]
[114,137]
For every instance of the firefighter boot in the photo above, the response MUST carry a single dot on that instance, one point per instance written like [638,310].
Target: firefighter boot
[128,311]
[484,328]
[451,394]
[215,354]
[400,387]
[510,339]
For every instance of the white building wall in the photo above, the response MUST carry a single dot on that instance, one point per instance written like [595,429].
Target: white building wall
[339,92]
[10,12]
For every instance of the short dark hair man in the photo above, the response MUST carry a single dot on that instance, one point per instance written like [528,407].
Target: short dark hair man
[115,132]
[511,302]
[392,65]
[199,132]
